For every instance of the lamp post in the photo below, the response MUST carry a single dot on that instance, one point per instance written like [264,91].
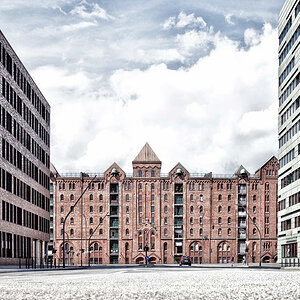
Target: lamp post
[89,240]
[71,210]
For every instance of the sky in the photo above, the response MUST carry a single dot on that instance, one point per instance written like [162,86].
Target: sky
[196,79]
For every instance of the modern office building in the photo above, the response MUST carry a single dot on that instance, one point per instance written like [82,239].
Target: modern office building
[24,163]
[288,134]
[208,217]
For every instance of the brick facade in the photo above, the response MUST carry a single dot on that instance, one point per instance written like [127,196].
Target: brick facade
[173,214]
[24,163]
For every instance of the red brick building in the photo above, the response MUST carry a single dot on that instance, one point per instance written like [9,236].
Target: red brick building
[208,217]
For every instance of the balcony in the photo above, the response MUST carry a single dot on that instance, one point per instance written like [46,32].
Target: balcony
[242,191]
[114,199]
[178,199]
[242,236]
[114,188]
[242,225]
[114,222]
[178,211]
[114,251]
[242,214]
[114,211]
[242,202]
[114,234]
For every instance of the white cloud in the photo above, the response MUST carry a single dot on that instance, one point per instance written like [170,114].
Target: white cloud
[90,11]
[228,19]
[77,26]
[184,20]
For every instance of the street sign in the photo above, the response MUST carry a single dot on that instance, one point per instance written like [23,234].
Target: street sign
[147,257]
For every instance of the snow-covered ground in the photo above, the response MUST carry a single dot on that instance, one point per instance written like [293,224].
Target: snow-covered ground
[151,283]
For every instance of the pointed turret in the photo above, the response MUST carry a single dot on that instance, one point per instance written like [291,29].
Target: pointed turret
[146,163]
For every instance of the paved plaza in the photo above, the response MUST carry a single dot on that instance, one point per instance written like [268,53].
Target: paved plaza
[152,283]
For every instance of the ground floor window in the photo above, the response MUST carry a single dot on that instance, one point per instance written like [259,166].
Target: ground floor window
[289,250]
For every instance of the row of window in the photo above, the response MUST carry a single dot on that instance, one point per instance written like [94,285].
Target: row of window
[16,186]
[16,102]
[294,199]
[21,162]
[20,79]
[13,127]
[287,158]
[289,134]
[289,89]
[290,110]
[287,71]
[228,186]
[290,178]
[17,215]
[289,45]
[285,30]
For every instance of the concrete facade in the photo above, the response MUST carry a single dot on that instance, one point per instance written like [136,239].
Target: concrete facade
[288,134]
[208,217]
[24,163]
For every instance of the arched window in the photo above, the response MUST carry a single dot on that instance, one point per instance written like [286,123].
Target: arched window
[267,198]
[219,220]
[72,231]
[165,231]
[126,246]
[100,197]
[254,246]
[201,220]
[165,246]
[191,220]
[127,197]
[166,220]
[91,220]
[220,197]
[101,220]
[266,186]
[229,231]
[201,209]
[166,197]
[152,186]
[201,231]
[220,209]
[61,220]
[191,197]
[140,173]
[91,209]
[91,197]
[254,198]
[127,231]
[61,197]
[229,220]
[191,231]
[254,231]
[219,231]
[254,220]
[229,197]
[96,247]
[229,209]
[165,209]
[72,221]
[254,209]
[127,220]
[192,209]
[63,186]
[100,209]
[91,231]
[140,186]
[201,198]
[100,232]
[102,186]
[71,197]
[61,209]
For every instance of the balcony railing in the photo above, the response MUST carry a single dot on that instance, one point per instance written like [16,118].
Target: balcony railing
[242,214]
[242,225]
[242,236]
[114,224]
[242,203]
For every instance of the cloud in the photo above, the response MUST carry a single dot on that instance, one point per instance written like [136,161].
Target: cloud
[228,19]
[184,20]
[91,11]
[78,26]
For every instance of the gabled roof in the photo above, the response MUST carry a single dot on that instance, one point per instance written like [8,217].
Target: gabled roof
[241,170]
[146,155]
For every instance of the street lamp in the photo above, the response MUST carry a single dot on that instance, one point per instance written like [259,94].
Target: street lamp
[71,210]
[89,240]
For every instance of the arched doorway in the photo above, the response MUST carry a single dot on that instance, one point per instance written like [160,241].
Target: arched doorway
[69,253]
[95,253]
[152,260]
[266,259]
[195,252]
[224,253]
[140,260]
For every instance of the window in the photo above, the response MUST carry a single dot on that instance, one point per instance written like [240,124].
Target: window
[152,209]
[61,197]
[254,246]
[191,220]
[140,173]
[127,197]
[91,209]
[61,220]
[254,198]
[140,221]
[100,209]
[229,197]
[192,209]
[201,220]
[152,186]
[229,209]
[228,231]
[166,220]
[127,209]
[127,231]
[165,232]
[72,221]
[91,220]
[100,197]
[101,220]
[61,209]
[191,198]
[254,231]
[140,186]
[219,220]
[191,231]
[152,173]
[91,231]
[267,208]
[152,197]
[254,220]
[71,197]
[72,231]
[201,231]
[254,209]
[220,197]
[165,209]
[127,221]
[140,209]
[266,230]
[229,220]
[201,198]
[266,186]
[220,209]
[91,197]
[219,231]
[165,197]
[267,198]
[140,197]
[201,209]
[100,232]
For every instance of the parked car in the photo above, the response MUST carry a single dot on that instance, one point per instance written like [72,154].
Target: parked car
[185,260]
